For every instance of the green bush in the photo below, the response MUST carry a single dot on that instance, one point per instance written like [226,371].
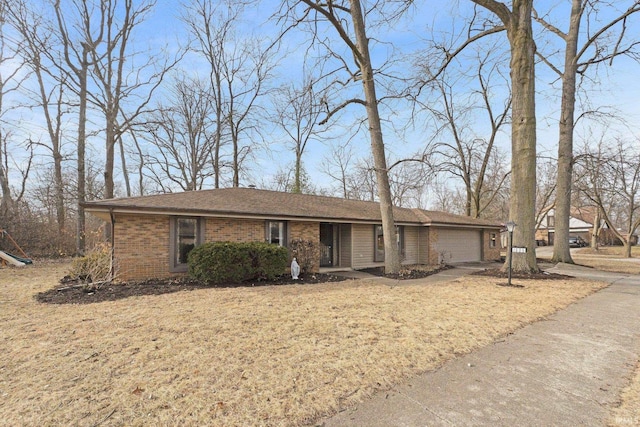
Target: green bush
[221,262]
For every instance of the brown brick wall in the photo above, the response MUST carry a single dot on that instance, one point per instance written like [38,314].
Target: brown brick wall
[141,246]
[234,230]
[489,253]
[141,242]
[307,231]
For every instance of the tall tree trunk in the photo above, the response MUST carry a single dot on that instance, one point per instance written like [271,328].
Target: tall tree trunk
[82,122]
[561,252]
[297,186]
[123,162]
[236,163]
[391,255]
[219,124]
[595,231]
[59,189]
[110,142]
[523,135]
[6,201]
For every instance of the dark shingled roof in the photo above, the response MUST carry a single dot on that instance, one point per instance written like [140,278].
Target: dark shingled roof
[251,202]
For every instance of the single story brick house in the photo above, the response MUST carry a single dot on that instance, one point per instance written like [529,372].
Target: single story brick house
[152,234]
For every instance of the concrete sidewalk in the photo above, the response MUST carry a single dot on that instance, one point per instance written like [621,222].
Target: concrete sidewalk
[567,370]
[458,270]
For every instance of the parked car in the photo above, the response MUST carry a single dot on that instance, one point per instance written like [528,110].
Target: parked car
[577,242]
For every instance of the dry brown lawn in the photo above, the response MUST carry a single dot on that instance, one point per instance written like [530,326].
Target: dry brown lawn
[609,259]
[628,414]
[272,356]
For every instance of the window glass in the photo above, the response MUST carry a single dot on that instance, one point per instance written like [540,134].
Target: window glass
[400,239]
[277,232]
[551,221]
[492,241]
[186,235]
[379,242]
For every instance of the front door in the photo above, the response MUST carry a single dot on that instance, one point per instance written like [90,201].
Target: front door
[326,245]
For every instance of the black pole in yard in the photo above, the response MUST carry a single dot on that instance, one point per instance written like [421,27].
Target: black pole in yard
[510,226]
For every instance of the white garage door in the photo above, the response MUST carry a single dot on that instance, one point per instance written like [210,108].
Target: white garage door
[459,245]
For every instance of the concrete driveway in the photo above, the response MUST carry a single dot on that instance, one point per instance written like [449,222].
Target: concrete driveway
[566,370]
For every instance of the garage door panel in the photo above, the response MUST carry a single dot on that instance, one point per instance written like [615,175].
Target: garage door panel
[455,245]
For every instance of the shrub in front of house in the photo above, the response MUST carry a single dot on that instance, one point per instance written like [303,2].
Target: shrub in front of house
[224,262]
[269,260]
[306,252]
[95,266]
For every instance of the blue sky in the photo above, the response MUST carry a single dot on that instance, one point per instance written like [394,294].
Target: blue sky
[615,87]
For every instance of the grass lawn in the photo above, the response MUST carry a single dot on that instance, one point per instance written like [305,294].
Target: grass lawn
[609,258]
[628,413]
[273,356]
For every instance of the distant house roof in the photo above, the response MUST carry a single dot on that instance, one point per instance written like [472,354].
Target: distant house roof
[586,214]
[254,203]
[580,219]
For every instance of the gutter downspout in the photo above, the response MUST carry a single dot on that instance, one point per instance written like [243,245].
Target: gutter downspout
[113,234]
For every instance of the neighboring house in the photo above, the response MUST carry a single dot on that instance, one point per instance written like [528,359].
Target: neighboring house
[153,234]
[580,225]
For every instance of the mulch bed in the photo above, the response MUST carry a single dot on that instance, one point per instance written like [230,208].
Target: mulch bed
[405,274]
[73,291]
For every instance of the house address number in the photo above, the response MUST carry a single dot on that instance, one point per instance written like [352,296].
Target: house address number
[519,250]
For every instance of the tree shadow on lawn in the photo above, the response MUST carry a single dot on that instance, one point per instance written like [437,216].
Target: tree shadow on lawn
[542,275]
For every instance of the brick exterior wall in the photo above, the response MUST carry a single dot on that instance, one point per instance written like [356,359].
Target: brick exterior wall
[307,231]
[141,242]
[489,253]
[234,230]
[141,246]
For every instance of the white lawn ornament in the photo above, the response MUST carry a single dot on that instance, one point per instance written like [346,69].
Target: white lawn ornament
[295,269]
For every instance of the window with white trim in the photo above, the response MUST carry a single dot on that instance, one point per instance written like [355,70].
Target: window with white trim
[186,233]
[378,250]
[277,232]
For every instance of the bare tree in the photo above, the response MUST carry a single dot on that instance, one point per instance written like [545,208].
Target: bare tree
[517,22]
[599,43]
[457,149]
[48,95]
[362,182]
[74,65]
[246,72]
[211,25]
[240,68]
[610,177]
[286,180]
[10,81]
[297,112]
[347,19]
[337,165]
[182,137]
[408,181]
[545,189]
[120,85]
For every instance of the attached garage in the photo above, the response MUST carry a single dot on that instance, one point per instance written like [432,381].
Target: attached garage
[459,245]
